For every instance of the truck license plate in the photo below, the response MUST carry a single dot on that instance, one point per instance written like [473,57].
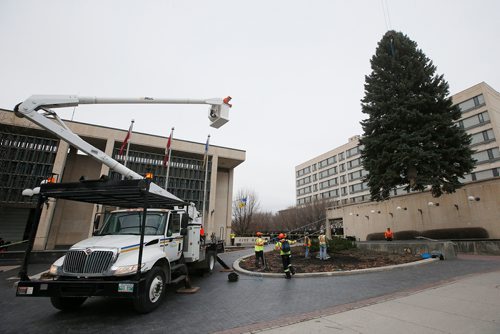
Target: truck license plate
[125,287]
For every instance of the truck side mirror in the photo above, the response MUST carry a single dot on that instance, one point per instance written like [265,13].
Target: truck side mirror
[184,220]
[97,220]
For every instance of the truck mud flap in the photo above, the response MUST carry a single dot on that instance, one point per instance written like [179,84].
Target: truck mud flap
[117,289]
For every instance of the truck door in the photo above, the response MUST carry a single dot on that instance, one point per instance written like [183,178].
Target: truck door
[173,238]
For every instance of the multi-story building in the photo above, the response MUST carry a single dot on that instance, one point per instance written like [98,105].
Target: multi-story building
[337,175]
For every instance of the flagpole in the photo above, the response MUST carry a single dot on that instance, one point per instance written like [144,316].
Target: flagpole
[169,154]
[205,160]
[128,144]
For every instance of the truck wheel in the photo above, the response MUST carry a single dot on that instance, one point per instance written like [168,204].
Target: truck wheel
[154,291]
[67,303]
[210,262]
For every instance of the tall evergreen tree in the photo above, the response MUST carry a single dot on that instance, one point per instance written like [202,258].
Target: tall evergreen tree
[411,136]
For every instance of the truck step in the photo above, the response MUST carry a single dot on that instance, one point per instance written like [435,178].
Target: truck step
[178,279]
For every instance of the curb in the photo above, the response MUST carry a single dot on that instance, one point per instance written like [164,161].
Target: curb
[236,267]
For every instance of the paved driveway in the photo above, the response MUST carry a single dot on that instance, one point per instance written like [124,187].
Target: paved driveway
[222,305]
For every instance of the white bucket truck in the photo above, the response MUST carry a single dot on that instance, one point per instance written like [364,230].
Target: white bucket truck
[137,250]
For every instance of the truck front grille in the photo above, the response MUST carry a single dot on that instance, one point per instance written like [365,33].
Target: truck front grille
[87,262]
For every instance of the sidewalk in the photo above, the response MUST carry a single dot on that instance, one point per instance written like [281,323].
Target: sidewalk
[470,304]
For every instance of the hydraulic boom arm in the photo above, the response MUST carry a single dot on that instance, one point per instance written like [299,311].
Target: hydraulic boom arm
[218,116]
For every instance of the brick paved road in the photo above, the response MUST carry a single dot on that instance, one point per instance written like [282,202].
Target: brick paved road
[221,305]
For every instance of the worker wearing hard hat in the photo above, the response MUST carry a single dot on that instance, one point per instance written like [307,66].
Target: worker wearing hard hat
[283,245]
[307,244]
[259,250]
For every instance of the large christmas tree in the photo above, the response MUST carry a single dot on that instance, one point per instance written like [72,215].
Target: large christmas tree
[411,137]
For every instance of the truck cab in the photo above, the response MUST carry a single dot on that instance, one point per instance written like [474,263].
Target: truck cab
[113,250]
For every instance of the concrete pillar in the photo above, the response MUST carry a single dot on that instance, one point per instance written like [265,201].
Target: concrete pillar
[42,234]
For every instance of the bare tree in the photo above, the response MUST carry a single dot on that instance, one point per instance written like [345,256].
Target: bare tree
[245,206]
[310,216]
[262,221]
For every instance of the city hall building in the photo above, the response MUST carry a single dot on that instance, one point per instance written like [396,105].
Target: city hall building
[29,154]
[337,176]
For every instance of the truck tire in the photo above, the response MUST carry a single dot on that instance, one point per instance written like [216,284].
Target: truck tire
[210,261]
[154,291]
[67,303]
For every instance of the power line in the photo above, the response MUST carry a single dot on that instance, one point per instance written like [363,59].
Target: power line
[387,16]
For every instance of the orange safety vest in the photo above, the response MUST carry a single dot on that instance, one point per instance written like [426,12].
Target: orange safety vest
[388,234]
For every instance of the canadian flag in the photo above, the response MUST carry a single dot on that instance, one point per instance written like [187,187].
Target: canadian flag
[167,149]
[127,138]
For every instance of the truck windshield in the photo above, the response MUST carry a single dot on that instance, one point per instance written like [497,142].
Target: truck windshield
[130,223]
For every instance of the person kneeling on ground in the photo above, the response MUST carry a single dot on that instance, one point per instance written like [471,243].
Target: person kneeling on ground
[283,245]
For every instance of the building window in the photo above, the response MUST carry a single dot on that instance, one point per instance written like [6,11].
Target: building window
[482,137]
[354,163]
[470,104]
[327,162]
[330,194]
[474,121]
[353,151]
[303,171]
[305,180]
[487,155]
[485,174]
[328,172]
[358,187]
[303,191]
[342,167]
[328,184]
[341,156]
[357,174]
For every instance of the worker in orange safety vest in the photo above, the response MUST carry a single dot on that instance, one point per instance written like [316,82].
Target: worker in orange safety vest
[388,234]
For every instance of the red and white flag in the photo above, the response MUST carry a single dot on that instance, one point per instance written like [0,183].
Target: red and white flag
[166,158]
[127,138]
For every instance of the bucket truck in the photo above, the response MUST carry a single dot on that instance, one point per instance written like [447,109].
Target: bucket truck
[151,241]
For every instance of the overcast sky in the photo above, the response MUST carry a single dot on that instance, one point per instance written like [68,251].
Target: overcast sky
[295,69]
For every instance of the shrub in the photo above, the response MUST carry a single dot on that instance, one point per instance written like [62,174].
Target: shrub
[334,245]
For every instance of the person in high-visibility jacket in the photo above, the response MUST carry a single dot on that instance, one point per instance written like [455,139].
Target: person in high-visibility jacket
[259,250]
[322,245]
[307,244]
[232,236]
[286,255]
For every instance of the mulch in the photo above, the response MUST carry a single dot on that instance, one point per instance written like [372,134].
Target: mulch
[350,259]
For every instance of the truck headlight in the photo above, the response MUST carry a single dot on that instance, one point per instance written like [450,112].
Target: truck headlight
[127,270]
[54,270]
